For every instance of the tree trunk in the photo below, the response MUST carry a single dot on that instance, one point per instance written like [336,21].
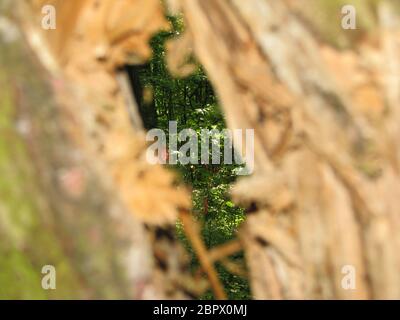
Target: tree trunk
[324,103]
[55,209]
[325,107]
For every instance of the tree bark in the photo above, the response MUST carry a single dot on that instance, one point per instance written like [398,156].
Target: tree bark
[55,209]
[326,182]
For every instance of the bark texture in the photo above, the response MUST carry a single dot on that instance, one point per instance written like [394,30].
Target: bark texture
[326,184]
[78,157]
[53,209]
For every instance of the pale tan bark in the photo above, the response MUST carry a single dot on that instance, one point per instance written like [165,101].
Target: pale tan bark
[326,182]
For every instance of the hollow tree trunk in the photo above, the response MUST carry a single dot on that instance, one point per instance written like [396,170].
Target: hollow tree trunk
[324,104]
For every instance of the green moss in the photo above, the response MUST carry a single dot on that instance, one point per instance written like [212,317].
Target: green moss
[326,16]
[19,279]
[27,243]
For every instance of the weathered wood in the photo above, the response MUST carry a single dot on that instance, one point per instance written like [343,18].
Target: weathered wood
[326,181]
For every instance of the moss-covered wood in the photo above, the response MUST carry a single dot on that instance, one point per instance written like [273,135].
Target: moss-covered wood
[85,236]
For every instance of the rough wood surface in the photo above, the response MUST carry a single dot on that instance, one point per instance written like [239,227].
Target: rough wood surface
[326,181]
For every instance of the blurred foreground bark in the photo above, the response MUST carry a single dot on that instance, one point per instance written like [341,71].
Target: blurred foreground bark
[53,209]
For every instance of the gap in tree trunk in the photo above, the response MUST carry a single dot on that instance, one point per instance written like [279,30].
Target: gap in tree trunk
[191,102]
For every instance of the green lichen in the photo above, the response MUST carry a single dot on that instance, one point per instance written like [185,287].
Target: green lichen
[326,16]
[26,241]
